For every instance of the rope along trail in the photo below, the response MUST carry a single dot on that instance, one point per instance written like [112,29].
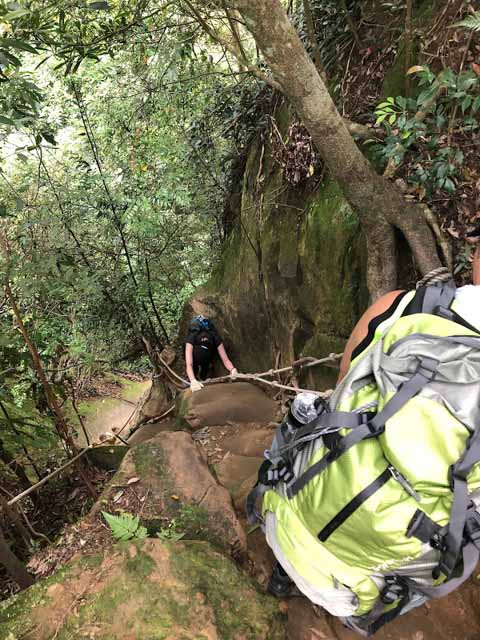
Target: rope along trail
[259,378]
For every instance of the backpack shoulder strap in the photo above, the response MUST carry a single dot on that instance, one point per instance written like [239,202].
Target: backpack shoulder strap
[438,298]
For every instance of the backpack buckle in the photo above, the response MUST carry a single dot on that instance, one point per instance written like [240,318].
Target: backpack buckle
[281,472]
[395,588]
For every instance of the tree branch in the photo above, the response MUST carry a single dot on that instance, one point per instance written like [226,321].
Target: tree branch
[252,68]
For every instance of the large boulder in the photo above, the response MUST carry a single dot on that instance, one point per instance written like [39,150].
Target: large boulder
[167,480]
[223,404]
[147,590]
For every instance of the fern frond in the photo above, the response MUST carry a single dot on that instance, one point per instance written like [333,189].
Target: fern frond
[471,22]
[125,526]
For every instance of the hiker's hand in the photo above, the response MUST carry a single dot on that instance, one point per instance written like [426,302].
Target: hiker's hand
[195,385]
[233,373]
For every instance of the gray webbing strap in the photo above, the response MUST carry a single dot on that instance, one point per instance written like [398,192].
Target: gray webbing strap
[374,427]
[397,590]
[458,515]
[438,295]
[340,419]
[253,514]
[470,555]
[466,341]
[376,618]
[325,423]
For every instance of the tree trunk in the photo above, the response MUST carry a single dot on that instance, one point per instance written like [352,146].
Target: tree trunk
[12,564]
[4,455]
[9,461]
[52,400]
[12,514]
[378,203]
[408,45]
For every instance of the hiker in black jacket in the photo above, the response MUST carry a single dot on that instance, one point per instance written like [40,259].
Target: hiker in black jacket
[202,343]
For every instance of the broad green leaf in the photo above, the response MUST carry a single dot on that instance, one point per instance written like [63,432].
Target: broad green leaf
[382,105]
[466,102]
[17,44]
[125,526]
[11,58]
[476,104]
[50,138]
[98,6]
[14,15]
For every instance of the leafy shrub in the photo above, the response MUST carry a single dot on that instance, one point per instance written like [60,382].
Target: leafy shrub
[421,128]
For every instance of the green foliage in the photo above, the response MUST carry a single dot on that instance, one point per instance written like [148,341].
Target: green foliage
[420,129]
[471,22]
[463,259]
[171,532]
[125,526]
[331,29]
[112,195]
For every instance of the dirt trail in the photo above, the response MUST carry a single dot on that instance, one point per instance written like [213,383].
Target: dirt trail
[104,414]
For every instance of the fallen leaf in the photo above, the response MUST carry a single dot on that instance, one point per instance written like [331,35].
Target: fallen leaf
[415,69]
[133,480]
[117,496]
[174,497]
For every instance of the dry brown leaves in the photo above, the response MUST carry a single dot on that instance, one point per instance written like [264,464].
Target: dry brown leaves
[296,155]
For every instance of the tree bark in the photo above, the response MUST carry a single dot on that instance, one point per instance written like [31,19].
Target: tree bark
[12,564]
[12,514]
[52,400]
[378,203]
[9,461]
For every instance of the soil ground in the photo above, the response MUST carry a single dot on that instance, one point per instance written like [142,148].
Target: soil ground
[102,414]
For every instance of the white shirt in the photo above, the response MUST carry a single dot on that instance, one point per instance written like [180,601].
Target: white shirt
[467,304]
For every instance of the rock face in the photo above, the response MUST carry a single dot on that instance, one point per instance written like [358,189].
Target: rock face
[148,590]
[176,485]
[221,404]
[291,271]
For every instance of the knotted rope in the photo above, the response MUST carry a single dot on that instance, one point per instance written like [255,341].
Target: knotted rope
[441,274]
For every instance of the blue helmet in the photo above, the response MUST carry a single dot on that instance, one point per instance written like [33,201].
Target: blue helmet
[200,323]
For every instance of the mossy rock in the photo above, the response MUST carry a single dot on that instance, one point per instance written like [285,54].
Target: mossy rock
[108,457]
[147,590]
[220,404]
[178,489]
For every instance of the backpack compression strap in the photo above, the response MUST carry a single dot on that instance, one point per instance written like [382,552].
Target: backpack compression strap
[435,299]
[374,427]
